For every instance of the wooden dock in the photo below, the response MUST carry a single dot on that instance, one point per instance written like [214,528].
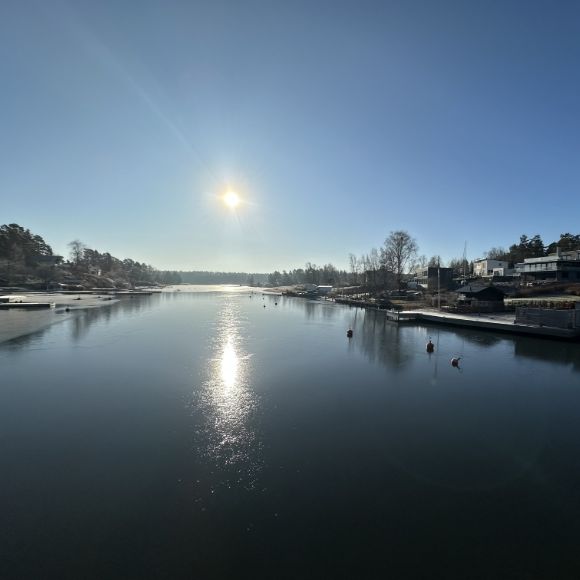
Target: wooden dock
[497,323]
[26,305]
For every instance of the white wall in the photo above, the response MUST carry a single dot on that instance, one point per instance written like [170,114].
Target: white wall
[485,267]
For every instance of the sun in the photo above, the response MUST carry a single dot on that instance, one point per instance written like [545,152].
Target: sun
[231,199]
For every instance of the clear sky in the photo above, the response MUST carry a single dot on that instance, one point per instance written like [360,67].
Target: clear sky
[123,122]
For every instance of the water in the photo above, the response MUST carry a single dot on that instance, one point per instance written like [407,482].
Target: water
[201,435]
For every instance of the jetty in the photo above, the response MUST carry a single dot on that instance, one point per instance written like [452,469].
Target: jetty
[498,322]
[550,323]
[26,305]
[10,301]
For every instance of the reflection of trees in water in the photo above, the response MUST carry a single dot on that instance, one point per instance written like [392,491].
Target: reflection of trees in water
[380,340]
[316,309]
[554,351]
[478,338]
[485,340]
[82,320]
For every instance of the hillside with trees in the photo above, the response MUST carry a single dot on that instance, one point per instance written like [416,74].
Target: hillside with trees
[534,247]
[27,261]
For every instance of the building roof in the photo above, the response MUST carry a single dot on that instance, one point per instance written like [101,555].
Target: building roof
[558,257]
[473,289]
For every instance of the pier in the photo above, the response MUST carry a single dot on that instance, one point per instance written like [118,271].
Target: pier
[499,322]
[26,305]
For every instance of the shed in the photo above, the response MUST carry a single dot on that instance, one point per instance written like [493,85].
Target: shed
[480,298]
[480,292]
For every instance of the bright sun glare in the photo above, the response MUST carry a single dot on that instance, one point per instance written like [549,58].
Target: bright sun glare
[232,199]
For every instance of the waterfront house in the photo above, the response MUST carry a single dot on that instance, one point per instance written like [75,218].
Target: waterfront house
[558,267]
[484,268]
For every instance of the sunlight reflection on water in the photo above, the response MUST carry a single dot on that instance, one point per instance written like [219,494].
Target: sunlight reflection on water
[227,402]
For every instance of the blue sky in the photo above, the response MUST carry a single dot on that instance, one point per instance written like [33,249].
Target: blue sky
[123,122]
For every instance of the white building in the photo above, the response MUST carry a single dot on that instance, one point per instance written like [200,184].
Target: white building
[484,268]
[503,272]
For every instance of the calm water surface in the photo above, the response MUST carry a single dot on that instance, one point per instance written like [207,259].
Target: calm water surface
[218,435]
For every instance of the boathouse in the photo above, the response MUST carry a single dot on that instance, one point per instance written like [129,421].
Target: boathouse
[480,298]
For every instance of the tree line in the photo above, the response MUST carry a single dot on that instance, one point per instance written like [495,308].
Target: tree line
[205,277]
[386,267]
[27,259]
[534,247]
[381,268]
[327,275]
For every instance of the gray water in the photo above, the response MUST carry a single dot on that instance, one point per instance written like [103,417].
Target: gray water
[203,435]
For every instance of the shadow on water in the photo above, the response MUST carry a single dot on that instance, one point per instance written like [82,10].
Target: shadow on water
[562,353]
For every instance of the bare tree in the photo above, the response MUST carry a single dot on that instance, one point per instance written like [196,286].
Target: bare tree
[399,252]
[435,262]
[354,267]
[496,253]
[374,264]
[461,267]
[77,251]
[363,265]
